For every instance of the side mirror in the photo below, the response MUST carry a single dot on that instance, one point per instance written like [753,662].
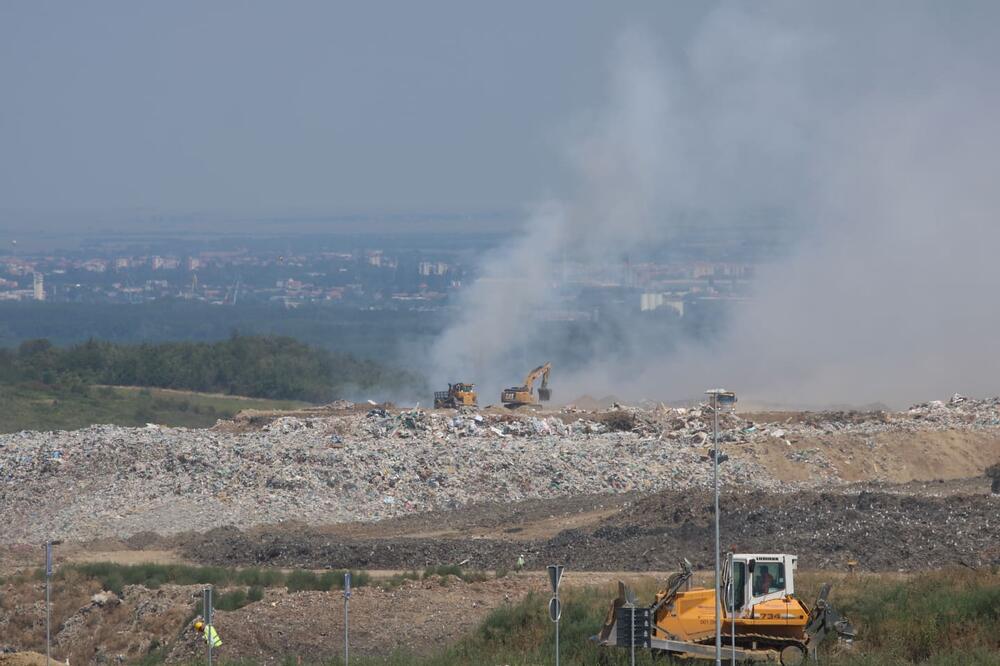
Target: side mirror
[750,565]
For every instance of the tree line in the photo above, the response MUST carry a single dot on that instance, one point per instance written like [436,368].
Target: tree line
[274,367]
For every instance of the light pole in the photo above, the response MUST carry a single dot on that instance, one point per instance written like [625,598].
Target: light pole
[727,398]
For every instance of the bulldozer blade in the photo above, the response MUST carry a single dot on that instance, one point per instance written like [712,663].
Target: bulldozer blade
[609,619]
[823,619]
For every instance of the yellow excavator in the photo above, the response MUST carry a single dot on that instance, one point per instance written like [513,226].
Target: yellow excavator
[457,395]
[518,396]
[772,625]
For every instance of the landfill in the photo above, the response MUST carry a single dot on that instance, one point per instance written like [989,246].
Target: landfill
[377,463]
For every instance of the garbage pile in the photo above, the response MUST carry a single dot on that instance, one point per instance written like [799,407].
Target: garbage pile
[110,481]
[116,481]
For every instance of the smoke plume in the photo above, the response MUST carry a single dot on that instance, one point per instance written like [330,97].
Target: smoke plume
[874,131]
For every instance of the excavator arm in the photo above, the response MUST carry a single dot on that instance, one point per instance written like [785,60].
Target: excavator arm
[544,393]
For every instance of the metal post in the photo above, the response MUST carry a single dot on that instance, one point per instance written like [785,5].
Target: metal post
[347,608]
[633,635]
[48,602]
[732,604]
[557,637]
[555,606]
[715,481]
[48,622]
[207,608]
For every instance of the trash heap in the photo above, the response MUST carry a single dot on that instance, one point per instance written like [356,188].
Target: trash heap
[116,481]
[377,463]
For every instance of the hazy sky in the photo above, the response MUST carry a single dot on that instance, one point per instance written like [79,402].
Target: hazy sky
[306,106]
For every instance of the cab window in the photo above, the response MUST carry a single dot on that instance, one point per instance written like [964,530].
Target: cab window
[768,577]
[739,584]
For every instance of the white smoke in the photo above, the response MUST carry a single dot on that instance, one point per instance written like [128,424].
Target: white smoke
[878,137]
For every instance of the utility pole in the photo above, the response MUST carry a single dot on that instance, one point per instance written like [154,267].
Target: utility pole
[728,397]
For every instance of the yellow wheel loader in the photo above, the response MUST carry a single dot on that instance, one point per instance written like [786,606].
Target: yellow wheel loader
[518,396]
[457,395]
[758,592]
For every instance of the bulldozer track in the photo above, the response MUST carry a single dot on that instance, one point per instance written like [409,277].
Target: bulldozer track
[776,643]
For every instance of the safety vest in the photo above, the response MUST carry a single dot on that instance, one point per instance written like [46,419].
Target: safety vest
[212,636]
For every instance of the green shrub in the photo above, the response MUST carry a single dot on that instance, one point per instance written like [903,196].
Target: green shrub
[260,577]
[300,581]
[230,601]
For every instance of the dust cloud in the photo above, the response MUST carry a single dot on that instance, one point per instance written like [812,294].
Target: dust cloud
[875,130]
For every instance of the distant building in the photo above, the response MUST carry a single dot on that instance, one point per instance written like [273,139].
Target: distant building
[95,265]
[432,268]
[650,301]
[156,263]
[39,287]
[702,270]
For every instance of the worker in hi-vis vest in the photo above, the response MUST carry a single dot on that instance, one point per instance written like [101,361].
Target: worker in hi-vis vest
[209,632]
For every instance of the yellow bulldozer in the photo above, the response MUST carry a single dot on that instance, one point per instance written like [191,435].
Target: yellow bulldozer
[518,396]
[772,625]
[457,395]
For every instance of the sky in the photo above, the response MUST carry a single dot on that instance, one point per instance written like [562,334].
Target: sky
[299,106]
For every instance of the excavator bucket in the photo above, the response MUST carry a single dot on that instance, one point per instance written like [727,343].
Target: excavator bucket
[544,394]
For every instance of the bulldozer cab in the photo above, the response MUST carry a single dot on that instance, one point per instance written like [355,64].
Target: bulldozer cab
[752,579]
[457,395]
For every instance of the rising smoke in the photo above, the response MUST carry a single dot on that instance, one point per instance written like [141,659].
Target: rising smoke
[875,131]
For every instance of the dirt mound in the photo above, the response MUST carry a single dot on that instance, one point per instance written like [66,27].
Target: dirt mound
[882,530]
[423,615]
